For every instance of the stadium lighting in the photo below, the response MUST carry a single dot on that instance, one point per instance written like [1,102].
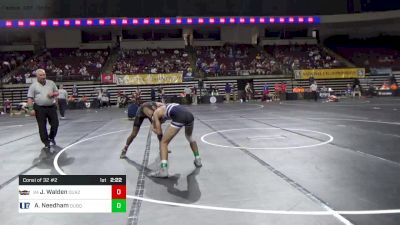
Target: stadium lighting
[272,20]
[8,24]
[21,23]
[56,23]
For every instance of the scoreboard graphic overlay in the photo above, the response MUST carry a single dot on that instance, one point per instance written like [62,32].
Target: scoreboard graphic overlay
[72,193]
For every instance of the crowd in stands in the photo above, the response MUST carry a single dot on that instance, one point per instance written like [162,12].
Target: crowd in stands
[246,60]
[235,60]
[375,52]
[296,57]
[152,61]
[372,57]
[76,64]
[11,60]
[64,65]
[227,60]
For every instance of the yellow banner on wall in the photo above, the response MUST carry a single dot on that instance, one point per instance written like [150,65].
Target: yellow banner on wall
[143,79]
[330,73]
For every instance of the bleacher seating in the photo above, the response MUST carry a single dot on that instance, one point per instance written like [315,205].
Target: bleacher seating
[66,64]
[11,60]
[303,57]
[152,61]
[235,60]
[372,57]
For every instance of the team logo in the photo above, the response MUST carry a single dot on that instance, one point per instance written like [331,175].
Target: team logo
[24,205]
[213,99]
[24,192]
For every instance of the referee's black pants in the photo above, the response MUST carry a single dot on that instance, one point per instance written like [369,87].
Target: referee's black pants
[44,113]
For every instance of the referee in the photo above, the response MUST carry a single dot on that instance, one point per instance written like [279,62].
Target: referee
[43,93]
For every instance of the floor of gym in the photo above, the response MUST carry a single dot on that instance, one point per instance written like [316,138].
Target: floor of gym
[263,163]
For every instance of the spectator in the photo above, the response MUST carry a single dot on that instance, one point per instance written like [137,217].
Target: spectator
[266,92]
[314,88]
[153,94]
[357,91]
[62,101]
[187,91]
[75,91]
[228,91]
[194,95]
[277,89]
[249,91]
[283,91]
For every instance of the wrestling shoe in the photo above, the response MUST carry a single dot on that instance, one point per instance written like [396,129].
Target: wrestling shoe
[161,173]
[123,154]
[197,162]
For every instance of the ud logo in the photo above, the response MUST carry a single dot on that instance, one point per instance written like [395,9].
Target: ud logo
[24,205]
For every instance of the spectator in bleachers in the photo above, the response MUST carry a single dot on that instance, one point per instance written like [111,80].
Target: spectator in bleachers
[156,61]
[303,57]
[66,64]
